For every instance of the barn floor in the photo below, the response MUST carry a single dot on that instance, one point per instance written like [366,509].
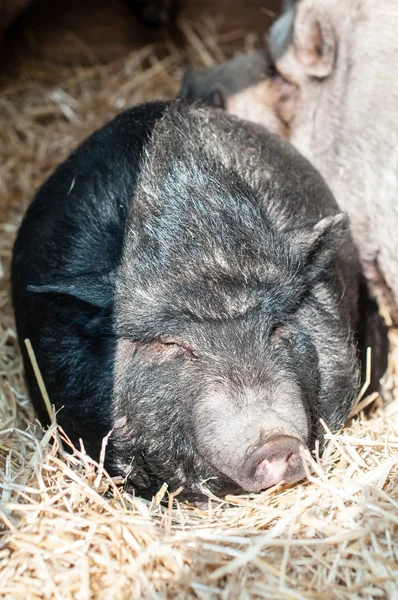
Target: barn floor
[67,530]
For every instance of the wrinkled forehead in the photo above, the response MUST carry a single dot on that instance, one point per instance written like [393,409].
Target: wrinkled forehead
[197,301]
[215,296]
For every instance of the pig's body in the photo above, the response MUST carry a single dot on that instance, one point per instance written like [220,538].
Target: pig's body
[186,282]
[341,58]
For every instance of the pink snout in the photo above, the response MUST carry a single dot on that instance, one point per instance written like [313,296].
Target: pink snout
[277,460]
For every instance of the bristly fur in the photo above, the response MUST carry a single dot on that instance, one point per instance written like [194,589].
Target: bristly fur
[230,295]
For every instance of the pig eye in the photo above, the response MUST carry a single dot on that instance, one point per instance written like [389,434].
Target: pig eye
[171,346]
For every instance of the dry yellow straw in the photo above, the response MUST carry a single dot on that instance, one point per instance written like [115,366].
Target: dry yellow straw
[39,379]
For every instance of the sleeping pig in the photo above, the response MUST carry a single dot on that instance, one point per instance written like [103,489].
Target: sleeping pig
[327,83]
[189,285]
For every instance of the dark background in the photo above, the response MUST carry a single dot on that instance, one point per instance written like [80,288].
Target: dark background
[72,32]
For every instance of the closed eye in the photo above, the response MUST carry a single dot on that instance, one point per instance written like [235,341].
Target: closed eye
[163,344]
[160,349]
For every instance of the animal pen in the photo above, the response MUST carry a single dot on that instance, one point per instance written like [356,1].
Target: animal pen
[67,529]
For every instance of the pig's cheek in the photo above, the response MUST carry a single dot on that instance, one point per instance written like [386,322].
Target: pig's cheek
[125,352]
[295,401]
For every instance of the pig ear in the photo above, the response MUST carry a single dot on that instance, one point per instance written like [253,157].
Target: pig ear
[314,40]
[280,34]
[96,289]
[320,243]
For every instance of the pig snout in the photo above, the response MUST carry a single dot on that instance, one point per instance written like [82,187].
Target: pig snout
[275,460]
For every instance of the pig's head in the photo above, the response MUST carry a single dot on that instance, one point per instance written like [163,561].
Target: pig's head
[310,54]
[217,373]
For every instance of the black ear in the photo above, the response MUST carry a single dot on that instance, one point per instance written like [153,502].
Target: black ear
[314,40]
[186,83]
[307,29]
[94,288]
[204,87]
[217,98]
[280,33]
[318,244]
[287,4]
[330,234]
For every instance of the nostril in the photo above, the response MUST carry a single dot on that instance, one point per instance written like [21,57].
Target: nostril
[278,456]
[279,447]
[275,469]
[276,460]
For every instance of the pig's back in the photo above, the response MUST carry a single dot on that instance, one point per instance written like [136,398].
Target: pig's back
[84,205]
[291,189]
[292,192]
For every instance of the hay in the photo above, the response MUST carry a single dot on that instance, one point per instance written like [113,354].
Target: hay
[68,530]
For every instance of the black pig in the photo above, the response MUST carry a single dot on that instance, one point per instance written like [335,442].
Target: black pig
[187,282]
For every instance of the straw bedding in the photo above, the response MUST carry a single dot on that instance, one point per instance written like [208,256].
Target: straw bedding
[67,530]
